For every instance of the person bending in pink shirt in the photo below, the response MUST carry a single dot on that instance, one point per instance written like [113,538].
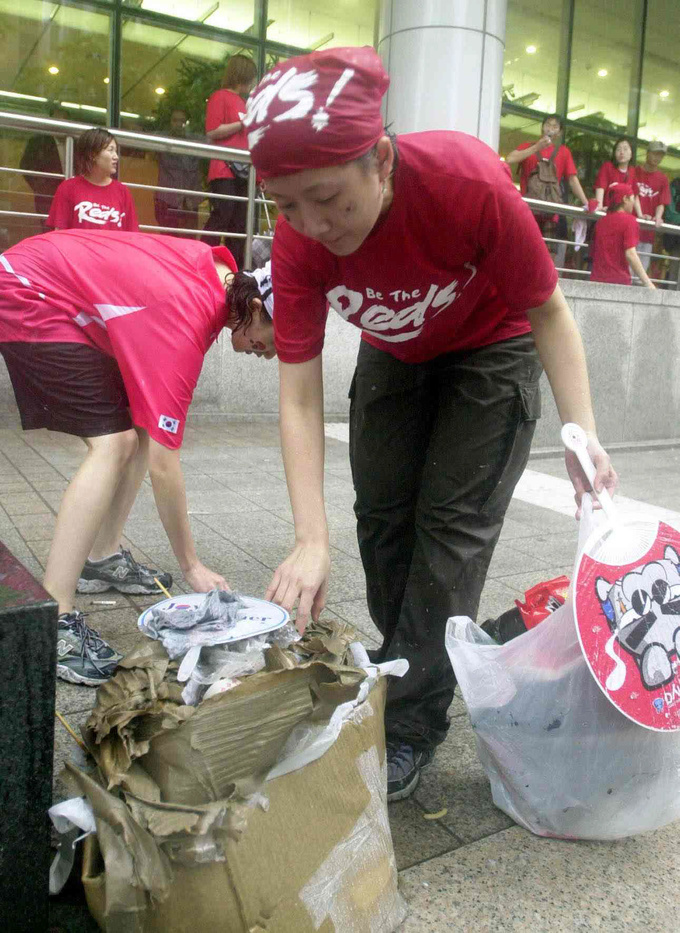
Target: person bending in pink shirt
[93,199]
[104,338]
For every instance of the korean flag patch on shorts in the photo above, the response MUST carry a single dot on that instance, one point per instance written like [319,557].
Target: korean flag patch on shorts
[171,425]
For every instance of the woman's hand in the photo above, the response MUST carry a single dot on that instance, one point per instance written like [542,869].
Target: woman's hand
[605,476]
[201,579]
[303,577]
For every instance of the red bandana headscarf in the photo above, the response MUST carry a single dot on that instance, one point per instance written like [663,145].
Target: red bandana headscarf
[316,110]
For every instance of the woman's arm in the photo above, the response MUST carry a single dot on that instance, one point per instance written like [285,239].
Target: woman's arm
[304,574]
[224,130]
[560,348]
[638,268]
[599,197]
[167,481]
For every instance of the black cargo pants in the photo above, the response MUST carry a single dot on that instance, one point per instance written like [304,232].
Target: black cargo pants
[436,449]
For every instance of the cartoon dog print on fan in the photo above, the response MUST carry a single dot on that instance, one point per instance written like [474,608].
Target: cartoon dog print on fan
[643,611]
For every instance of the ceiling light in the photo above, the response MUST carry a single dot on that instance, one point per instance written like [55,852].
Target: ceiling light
[602,73]
[16,94]
[53,70]
[664,94]
[160,90]
[530,49]
[106,80]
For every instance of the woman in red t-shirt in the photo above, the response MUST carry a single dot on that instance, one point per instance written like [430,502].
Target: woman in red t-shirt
[615,239]
[223,126]
[620,170]
[423,243]
[94,199]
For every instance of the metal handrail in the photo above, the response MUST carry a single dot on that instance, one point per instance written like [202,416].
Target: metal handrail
[69,130]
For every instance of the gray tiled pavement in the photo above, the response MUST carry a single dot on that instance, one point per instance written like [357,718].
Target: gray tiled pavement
[472,869]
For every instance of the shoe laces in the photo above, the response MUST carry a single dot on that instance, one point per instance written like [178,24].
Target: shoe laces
[401,755]
[91,639]
[134,564]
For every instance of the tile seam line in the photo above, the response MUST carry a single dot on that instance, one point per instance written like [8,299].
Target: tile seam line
[399,32]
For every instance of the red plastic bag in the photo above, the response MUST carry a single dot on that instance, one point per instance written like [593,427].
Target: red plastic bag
[542,600]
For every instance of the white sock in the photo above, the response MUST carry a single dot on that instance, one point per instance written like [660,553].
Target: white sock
[102,559]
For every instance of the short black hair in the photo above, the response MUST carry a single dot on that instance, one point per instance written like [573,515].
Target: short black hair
[552,116]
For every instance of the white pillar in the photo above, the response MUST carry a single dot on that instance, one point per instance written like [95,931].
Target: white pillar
[445,61]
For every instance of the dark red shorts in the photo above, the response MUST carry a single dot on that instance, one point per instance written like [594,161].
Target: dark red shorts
[68,387]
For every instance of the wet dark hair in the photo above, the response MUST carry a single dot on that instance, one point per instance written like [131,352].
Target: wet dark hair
[87,148]
[622,139]
[240,293]
[552,116]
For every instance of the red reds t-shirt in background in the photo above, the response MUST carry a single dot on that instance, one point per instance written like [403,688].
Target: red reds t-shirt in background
[614,234]
[563,162]
[79,203]
[609,176]
[225,107]
[653,189]
[156,305]
[454,264]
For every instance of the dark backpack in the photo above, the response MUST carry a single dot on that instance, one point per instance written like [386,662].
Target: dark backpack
[543,183]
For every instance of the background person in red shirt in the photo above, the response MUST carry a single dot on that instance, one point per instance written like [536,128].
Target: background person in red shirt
[93,199]
[618,171]
[654,193]
[616,237]
[422,242]
[104,338]
[223,126]
[526,155]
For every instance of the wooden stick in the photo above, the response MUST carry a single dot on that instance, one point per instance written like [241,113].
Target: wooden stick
[161,587]
[70,730]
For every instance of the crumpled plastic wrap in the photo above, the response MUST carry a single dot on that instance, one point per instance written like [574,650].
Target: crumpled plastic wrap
[208,624]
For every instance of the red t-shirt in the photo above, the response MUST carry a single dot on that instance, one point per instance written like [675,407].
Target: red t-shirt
[225,107]
[154,303]
[79,203]
[614,234]
[653,189]
[453,265]
[564,163]
[609,176]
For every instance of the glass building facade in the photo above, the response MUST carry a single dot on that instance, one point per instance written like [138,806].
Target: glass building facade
[611,67]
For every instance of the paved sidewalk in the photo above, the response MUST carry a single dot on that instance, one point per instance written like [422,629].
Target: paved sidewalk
[472,869]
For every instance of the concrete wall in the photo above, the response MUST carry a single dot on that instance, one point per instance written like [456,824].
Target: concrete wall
[631,335]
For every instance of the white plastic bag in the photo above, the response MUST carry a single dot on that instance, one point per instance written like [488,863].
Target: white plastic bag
[561,759]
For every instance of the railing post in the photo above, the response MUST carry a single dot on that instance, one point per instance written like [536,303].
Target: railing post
[68,158]
[250,218]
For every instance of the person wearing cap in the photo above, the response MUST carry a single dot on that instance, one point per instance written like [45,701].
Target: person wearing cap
[104,338]
[423,242]
[654,193]
[615,239]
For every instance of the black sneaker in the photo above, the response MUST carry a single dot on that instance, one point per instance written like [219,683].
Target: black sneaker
[121,572]
[82,656]
[404,764]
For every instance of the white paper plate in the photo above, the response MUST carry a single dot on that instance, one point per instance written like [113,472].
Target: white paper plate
[258,618]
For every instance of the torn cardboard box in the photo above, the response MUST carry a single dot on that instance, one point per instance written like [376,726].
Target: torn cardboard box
[225,821]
